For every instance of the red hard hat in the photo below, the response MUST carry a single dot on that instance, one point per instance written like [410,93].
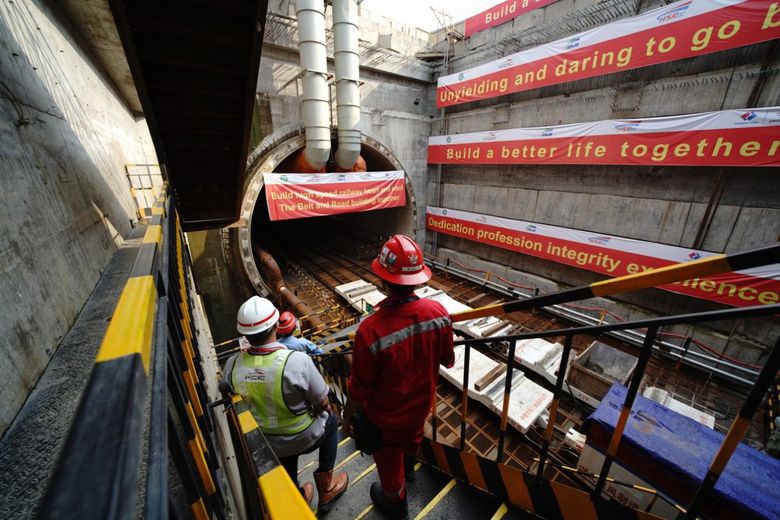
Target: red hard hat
[401,262]
[287,323]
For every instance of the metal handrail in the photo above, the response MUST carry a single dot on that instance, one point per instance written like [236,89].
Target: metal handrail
[732,439]
[667,348]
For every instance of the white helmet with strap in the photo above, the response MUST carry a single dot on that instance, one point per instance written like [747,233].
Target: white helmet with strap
[256,315]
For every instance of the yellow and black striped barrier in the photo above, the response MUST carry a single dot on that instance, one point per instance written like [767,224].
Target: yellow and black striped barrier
[150,338]
[715,264]
[644,489]
[546,498]
[268,490]
[186,388]
[107,430]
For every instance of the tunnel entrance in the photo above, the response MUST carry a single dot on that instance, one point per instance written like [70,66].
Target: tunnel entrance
[354,235]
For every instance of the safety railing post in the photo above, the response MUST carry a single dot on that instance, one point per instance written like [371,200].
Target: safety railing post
[548,434]
[434,425]
[156,501]
[464,405]
[510,363]
[617,435]
[736,432]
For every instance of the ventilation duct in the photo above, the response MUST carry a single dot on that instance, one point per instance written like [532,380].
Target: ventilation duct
[347,61]
[315,102]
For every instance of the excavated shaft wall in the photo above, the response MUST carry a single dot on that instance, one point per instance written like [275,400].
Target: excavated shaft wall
[653,203]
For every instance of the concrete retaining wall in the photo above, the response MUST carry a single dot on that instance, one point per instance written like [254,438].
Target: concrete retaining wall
[65,204]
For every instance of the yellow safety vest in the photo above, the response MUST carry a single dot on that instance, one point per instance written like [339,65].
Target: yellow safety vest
[258,378]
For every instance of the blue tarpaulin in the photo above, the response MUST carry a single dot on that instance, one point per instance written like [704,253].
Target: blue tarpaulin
[671,451]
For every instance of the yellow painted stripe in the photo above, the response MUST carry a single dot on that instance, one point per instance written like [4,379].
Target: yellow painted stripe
[617,435]
[464,407]
[280,496]
[236,398]
[441,457]
[153,235]
[199,510]
[516,488]
[190,359]
[132,324]
[500,512]
[473,471]
[505,411]
[158,211]
[441,494]
[192,392]
[645,489]
[344,441]
[548,434]
[202,465]
[345,461]
[641,515]
[194,423]
[662,275]
[307,466]
[365,472]
[364,513]
[736,432]
[247,422]
[480,312]
[573,503]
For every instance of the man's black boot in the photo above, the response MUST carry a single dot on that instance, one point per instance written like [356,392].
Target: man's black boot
[389,508]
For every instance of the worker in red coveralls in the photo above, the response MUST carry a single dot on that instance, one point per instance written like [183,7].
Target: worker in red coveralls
[396,358]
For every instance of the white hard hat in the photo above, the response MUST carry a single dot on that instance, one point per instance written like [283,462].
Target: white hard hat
[256,315]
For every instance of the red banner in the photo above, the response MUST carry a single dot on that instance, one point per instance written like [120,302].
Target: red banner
[610,255]
[673,32]
[503,12]
[298,195]
[726,138]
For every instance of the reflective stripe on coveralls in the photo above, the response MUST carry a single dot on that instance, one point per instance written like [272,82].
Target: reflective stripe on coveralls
[398,336]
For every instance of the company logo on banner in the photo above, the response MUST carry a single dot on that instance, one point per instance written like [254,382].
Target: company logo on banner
[500,13]
[610,255]
[296,195]
[674,32]
[727,138]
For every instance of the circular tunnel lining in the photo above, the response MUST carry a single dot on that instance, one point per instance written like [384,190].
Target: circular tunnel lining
[352,234]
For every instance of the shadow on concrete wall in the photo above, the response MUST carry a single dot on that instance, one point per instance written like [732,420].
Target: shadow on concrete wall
[62,212]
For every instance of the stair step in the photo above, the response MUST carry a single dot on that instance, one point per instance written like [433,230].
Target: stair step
[464,501]
[355,464]
[428,483]
[426,494]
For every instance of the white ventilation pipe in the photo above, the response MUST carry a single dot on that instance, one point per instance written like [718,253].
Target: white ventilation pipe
[315,102]
[347,81]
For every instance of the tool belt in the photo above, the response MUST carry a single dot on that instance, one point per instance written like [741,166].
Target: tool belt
[368,437]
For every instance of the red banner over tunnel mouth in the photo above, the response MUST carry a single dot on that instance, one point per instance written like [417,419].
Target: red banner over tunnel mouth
[302,195]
